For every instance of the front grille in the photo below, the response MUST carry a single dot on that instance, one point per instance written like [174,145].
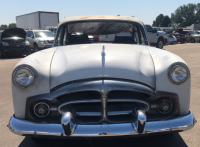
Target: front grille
[121,105]
[86,106]
[17,47]
[108,104]
[50,41]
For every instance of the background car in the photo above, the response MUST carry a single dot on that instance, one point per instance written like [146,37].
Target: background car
[191,36]
[198,32]
[40,39]
[155,37]
[180,37]
[12,42]
[170,39]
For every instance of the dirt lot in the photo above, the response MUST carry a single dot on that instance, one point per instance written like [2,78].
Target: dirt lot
[189,52]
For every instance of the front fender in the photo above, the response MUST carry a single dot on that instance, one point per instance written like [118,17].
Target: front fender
[41,62]
[162,62]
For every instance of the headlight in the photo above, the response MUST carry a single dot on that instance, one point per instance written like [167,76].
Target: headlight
[178,73]
[27,43]
[41,41]
[5,43]
[24,76]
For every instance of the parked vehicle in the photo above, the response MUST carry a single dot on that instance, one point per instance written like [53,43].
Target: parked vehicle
[198,32]
[85,89]
[37,20]
[155,37]
[191,36]
[40,39]
[180,37]
[12,42]
[170,39]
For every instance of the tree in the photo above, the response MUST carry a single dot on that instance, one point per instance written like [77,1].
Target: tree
[3,27]
[161,21]
[12,25]
[198,13]
[154,23]
[166,21]
[185,15]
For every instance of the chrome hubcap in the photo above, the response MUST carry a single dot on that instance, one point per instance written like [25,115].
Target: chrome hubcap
[160,44]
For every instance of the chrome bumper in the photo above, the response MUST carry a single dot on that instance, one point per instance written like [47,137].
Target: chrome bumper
[24,128]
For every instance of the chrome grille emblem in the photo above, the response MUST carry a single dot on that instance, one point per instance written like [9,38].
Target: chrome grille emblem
[104,91]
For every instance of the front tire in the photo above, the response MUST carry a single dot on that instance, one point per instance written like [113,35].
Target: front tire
[160,44]
[192,40]
[35,49]
[1,54]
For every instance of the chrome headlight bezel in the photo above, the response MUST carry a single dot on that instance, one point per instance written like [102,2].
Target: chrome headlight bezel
[29,69]
[173,67]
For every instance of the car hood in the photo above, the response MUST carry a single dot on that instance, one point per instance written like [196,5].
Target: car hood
[195,35]
[45,38]
[78,62]
[13,32]
[161,33]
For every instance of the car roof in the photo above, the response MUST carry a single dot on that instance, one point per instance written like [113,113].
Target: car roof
[88,18]
[39,30]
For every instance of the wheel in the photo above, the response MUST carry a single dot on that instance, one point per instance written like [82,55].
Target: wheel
[192,40]
[160,44]
[35,49]
[28,53]
[1,55]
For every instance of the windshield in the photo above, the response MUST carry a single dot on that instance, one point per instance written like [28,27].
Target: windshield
[176,34]
[44,34]
[100,32]
[192,32]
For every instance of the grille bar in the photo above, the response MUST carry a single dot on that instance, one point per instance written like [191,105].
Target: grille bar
[88,114]
[114,113]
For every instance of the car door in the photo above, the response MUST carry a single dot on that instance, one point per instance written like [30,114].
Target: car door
[152,34]
[186,33]
[31,38]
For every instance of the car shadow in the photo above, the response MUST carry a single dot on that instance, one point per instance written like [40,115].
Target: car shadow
[172,140]
[12,57]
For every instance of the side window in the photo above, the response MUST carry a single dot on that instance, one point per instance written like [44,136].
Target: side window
[31,34]
[142,38]
[28,34]
[149,28]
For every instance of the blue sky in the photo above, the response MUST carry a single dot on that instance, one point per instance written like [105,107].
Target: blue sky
[145,10]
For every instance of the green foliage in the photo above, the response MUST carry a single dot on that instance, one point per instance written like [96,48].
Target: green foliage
[166,21]
[3,27]
[12,25]
[186,15]
[161,21]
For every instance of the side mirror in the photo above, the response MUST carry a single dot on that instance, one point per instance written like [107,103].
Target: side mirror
[154,31]
[32,36]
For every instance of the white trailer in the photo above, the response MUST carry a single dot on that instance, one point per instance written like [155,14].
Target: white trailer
[37,20]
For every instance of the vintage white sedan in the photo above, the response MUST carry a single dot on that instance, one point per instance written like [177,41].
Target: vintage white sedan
[102,88]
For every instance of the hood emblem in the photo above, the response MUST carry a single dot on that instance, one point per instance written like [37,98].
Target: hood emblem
[103,54]
[104,90]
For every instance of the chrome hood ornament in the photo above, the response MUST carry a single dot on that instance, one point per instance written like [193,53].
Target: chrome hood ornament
[104,90]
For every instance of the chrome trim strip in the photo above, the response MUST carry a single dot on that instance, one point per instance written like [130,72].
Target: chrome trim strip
[23,127]
[96,86]
[79,101]
[129,100]
[88,114]
[113,113]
